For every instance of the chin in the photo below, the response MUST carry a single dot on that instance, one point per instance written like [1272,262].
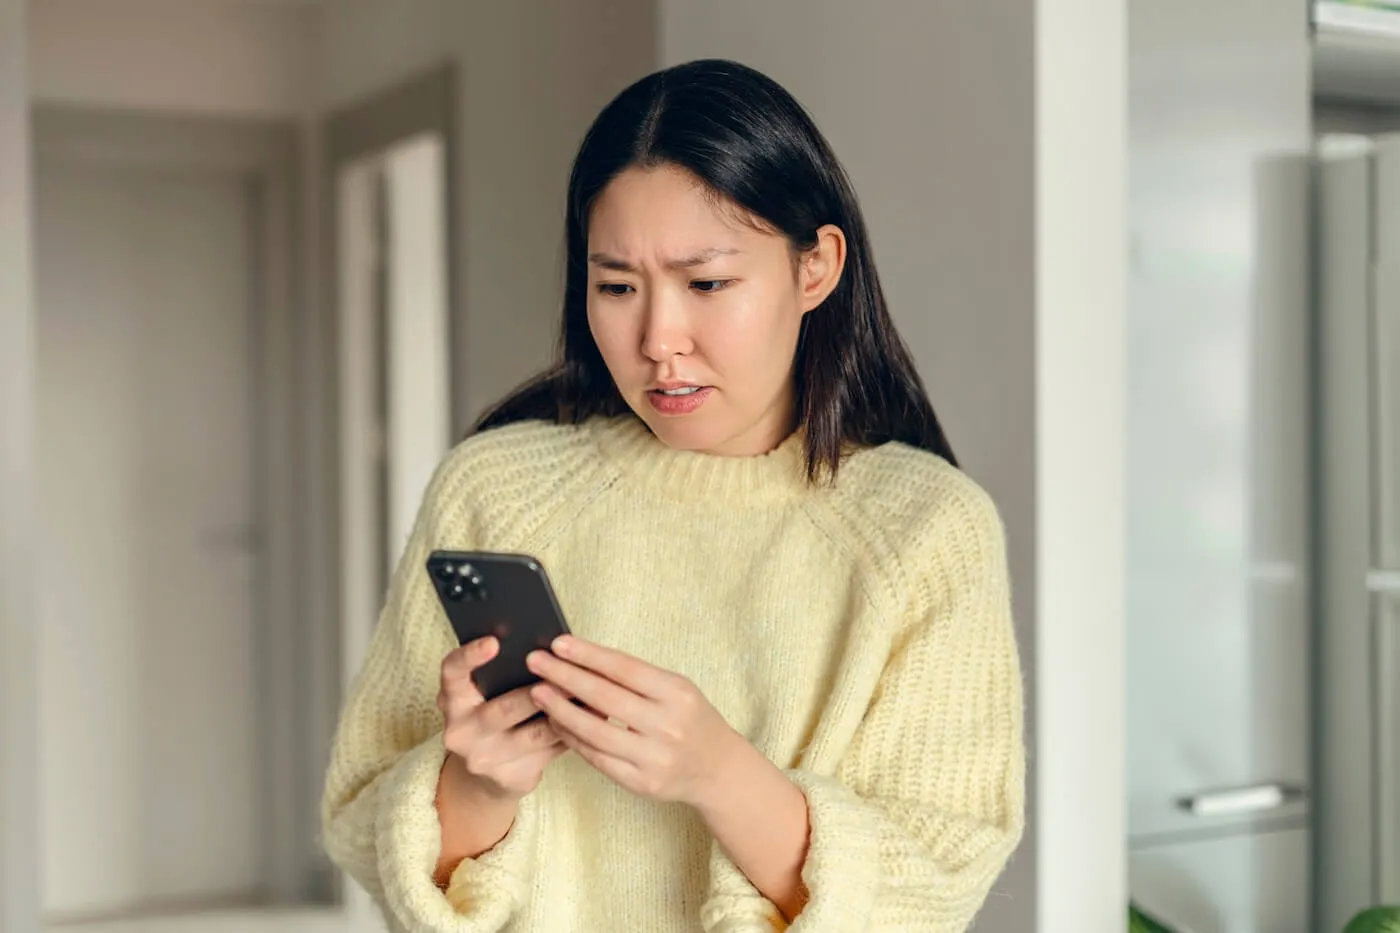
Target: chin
[685,432]
[676,433]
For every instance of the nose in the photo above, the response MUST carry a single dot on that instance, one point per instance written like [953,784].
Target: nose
[665,329]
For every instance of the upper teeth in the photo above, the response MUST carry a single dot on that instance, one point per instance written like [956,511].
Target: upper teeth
[684,390]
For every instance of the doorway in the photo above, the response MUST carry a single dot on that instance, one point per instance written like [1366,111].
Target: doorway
[389,186]
[173,725]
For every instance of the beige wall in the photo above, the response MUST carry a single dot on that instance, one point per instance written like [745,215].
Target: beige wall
[251,59]
[530,83]
[19,832]
[931,108]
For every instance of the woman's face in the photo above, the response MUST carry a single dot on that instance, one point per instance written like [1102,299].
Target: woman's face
[696,312]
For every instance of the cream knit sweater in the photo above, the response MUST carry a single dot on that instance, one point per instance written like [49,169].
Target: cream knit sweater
[860,636]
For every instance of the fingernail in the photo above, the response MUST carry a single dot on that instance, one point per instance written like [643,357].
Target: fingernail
[562,645]
[540,695]
[534,660]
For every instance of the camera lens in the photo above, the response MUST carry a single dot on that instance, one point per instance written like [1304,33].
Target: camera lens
[455,590]
[473,587]
[446,572]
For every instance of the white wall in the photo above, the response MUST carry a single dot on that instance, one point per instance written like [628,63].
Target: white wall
[531,79]
[252,59]
[985,142]
[19,832]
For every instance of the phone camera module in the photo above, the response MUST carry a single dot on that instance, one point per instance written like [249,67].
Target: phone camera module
[470,581]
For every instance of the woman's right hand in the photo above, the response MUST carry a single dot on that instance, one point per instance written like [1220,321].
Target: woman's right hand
[496,755]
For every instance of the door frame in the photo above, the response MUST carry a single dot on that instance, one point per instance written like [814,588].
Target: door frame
[422,103]
[266,158]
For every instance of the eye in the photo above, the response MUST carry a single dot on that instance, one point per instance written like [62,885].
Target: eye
[614,289]
[710,286]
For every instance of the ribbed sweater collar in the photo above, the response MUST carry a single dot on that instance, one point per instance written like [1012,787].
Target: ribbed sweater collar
[641,458]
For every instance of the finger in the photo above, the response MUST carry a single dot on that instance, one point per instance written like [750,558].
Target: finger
[633,673]
[529,740]
[544,756]
[503,713]
[478,652]
[526,771]
[493,750]
[609,699]
[461,662]
[571,720]
[618,769]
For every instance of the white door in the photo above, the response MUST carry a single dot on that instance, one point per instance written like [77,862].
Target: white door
[149,756]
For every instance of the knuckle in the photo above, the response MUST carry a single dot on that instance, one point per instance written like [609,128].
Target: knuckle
[521,704]
[499,714]
[543,733]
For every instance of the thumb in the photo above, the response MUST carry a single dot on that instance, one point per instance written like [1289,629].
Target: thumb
[478,652]
[458,666]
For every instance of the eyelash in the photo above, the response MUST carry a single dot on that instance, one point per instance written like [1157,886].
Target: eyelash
[718,285]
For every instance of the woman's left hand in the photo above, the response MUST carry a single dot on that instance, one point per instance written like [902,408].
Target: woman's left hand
[650,730]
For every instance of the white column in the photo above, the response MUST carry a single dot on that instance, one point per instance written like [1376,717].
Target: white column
[19,831]
[1081,156]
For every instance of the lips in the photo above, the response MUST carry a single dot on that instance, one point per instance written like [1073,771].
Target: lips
[678,398]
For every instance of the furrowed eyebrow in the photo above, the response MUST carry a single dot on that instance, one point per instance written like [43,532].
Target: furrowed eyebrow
[614,264]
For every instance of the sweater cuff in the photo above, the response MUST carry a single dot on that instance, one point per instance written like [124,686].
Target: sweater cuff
[734,905]
[841,872]
[483,893]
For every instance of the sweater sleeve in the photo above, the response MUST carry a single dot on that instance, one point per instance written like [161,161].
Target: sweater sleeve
[927,803]
[378,811]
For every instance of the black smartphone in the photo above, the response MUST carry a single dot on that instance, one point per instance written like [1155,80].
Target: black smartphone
[505,595]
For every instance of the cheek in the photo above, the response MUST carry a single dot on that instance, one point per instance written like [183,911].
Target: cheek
[757,336]
[609,333]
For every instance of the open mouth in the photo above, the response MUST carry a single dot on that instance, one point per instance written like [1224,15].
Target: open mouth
[679,400]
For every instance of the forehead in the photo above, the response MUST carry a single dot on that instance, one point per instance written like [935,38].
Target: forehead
[666,210]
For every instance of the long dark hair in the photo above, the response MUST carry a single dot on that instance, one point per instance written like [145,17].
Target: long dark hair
[753,145]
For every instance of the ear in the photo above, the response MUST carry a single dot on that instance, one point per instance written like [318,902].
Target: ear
[819,268]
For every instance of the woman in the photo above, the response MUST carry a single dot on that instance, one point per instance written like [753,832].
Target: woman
[793,694]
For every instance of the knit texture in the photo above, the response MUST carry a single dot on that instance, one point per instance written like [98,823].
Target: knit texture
[859,635]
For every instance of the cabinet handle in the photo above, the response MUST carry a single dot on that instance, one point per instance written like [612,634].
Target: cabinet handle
[1384,582]
[1232,801]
